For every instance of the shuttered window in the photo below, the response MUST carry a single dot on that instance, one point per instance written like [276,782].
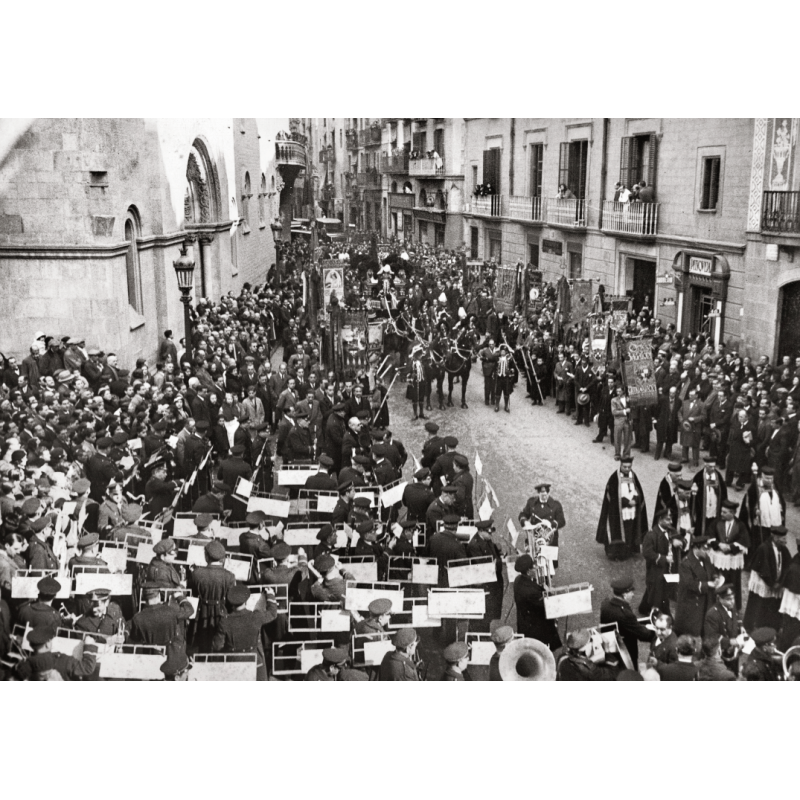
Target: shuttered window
[438,141]
[420,139]
[537,160]
[637,160]
[491,168]
[711,170]
[573,160]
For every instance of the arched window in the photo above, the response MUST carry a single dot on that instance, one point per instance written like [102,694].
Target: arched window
[262,195]
[394,187]
[246,195]
[423,198]
[132,263]
[408,188]
[201,200]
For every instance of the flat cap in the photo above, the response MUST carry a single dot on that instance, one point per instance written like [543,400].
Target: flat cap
[163,547]
[404,637]
[762,636]
[421,474]
[454,652]
[41,635]
[503,634]
[451,441]
[523,564]
[462,461]
[30,506]
[81,485]
[380,606]
[335,655]
[431,427]
[542,487]
[215,551]
[203,520]
[48,586]
[38,525]
[324,563]
[622,584]
[578,639]
[238,595]
[88,540]
[281,550]
[105,442]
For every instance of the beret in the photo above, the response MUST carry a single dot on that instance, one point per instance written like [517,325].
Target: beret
[462,461]
[362,502]
[361,459]
[451,520]
[281,550]
[120,437]
[215,551]
[238,594]
[404,637]
[256,518]
[324,563]
[503,634]
[163,547]
[421,474]
[201,425]
[523,563]
[105,442]
[763,636]
[81,485]
[335,655]
[345,485]
[451,441]
[237,450]
[48,586]
[622,584]
[30,505]
[450,490]
[203,520]
[41,635]
[431,427]
[365,527]
[324,532]
[454,652]
[176,662]
[131,512]
[38,525]
[578,639]
[326,461]
[380,606]
[88,540]
[484,524]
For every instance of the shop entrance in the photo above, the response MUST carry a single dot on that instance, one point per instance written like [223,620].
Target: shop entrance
[702,307]
[789,335]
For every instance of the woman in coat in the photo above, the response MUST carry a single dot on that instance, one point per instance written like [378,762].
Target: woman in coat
[740,454]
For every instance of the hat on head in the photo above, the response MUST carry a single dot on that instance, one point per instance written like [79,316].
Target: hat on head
[48,586]
[219,486]
[120,437]
[201,425]
[256,518]
[335,655]
[626,460]
[30,506]
[98,594]
[380,606]
[80,486]
[301,414]
[281,550]
[359,459]
[151,590]
[238,595]
[379,450]
[324,532]
[338,407]
[622,585]
[160,426]
[105,442]
[215,551]
[769,471]
[485,524]
[450,490]
[731,504]
[237,450]
[674,466]
[88,540]
[576,640]
[326,461]
[361,502]
[176,662]
[131,512]
[778,530]
[542,487]
[345,485]
[451,441]
[461,461]
[38,525]
[203,520]
[451,520]
[456,651]
[710,459]
[421,474]
[164,547]
[503,634]
[431,427]
[726,588]
[41,635]
[404,637]
[366,527]
[523,564]
[324,563]
[762,636]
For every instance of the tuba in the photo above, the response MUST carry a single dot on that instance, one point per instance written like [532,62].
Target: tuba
[791,671]
[527,660]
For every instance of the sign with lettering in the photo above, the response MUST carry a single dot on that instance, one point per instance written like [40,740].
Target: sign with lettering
[552,246]
[700,266]
[639,371]
[332,282]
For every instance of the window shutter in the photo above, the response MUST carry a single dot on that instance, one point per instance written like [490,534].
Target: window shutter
[563,164]
[625,162]
[651,169]
[487,166]
[491,168]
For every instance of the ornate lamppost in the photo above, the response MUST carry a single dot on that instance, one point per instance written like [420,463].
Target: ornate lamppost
[184,271]
[277,230]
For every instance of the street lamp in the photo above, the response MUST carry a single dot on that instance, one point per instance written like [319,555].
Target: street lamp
[184,272]
[277,230]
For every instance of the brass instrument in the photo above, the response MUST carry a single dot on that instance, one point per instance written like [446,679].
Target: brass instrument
[540,535]
[793,653]
[527,660]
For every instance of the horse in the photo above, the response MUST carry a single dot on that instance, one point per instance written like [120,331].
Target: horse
[458,363]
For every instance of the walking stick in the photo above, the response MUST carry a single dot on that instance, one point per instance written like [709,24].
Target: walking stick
[535,376]
[386,397]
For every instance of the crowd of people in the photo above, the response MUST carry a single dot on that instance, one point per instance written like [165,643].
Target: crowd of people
[97,459]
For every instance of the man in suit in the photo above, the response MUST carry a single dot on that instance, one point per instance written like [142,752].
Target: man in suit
[696,589]
[720,418]
[101,470]
[657,552]
[691,418]
[724,623]
[667,421]
[729,543]
[684,668]
[617,609]
[488,358]
[621,411]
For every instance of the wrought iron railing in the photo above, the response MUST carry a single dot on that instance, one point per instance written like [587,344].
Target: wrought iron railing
[426,167]
[640,219]
[781,212]
[566,211]
[527,208]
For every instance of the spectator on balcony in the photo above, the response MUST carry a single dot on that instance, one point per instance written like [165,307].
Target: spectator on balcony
[621,194]
[646,193]
[635,193]
[564,192]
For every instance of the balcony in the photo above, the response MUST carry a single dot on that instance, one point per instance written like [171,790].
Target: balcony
[426,167]
[568,212]
[491,206]
[394,164]
[630,219]
[327,155]
[351,139]
[780,212]
[371,179]
[530,209]
[291,154]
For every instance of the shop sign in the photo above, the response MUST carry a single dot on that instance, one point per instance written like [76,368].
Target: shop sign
[700,266]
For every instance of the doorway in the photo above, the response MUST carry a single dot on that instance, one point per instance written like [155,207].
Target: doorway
[702,306]
[643,287]
[789,334]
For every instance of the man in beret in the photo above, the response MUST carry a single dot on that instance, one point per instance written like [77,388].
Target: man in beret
[101,470]
[88,549]
[44,660]
[398,664]
[764,662]
[617,609]
[40,612]
[211,585]
[40,554]
[161,571]
[417,496]
[456,656]
[161,623]
[253,541]
[242,630]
